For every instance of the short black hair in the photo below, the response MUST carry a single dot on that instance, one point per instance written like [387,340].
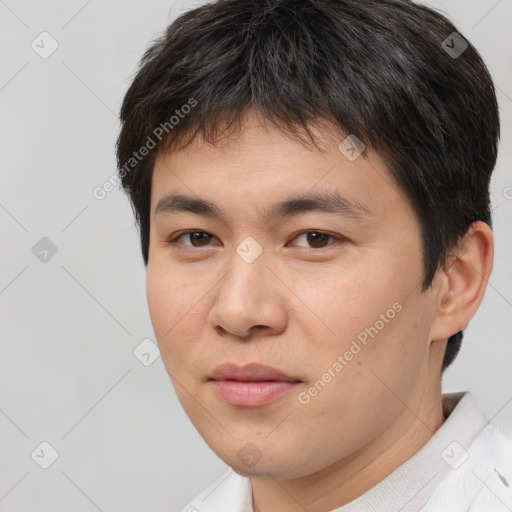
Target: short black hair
[396,74]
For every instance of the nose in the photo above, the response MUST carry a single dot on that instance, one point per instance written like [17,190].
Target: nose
[250,299]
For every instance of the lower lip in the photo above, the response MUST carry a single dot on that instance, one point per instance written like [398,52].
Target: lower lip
[252,394]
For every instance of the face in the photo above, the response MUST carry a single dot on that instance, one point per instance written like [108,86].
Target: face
[329,295]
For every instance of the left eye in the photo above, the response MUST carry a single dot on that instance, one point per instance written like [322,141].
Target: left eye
[317,239]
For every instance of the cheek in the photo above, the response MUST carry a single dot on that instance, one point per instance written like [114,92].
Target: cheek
[382,357]
[169,298]
[178,307]
[367,313]
[341,303]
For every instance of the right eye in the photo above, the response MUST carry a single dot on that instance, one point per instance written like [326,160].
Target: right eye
[194,236]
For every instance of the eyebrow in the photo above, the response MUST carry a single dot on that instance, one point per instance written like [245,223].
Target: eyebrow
[329,202]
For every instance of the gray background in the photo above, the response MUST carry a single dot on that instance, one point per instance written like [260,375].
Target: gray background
[68,374]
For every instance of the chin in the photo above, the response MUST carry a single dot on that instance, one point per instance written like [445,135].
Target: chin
[265,467]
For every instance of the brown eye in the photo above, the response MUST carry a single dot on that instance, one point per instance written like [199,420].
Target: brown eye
[196,239]
[316,239]
[199,238]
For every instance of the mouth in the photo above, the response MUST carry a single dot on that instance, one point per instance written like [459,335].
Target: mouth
[251,385]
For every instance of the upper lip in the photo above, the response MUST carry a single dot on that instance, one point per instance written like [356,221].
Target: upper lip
[251,372]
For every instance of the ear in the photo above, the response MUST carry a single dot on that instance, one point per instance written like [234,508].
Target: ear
[461,286]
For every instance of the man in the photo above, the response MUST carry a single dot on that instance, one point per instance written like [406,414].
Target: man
[311,182]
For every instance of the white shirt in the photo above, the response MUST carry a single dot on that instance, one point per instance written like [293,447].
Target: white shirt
[466,466]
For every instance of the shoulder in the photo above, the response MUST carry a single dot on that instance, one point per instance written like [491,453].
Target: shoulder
[231,492]
[496,481]
[483,482]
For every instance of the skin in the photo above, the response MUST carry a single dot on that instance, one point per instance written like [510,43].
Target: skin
[298,306]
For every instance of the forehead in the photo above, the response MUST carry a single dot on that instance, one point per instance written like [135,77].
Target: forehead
[253,130]
[260,162]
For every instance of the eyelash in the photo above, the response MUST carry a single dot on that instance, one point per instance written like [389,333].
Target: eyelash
[174,240]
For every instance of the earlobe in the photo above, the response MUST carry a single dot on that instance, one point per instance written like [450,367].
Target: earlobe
[463,281]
